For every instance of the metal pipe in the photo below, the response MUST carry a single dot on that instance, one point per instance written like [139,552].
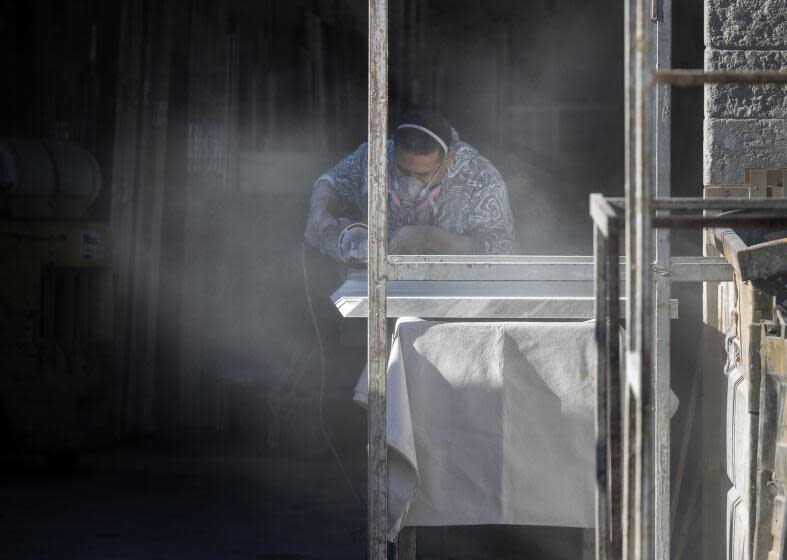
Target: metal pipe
[377,471]
[695,78]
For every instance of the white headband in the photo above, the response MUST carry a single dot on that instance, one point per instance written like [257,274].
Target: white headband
[427,131]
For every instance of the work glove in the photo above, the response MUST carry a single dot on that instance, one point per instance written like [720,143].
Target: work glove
[354,244]
[329,239]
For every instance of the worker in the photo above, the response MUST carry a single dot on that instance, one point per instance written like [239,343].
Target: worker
[444,197]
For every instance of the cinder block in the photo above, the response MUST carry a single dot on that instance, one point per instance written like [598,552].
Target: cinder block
[731,145]
[746,24]
[734,59]
[741,102]
[745,102]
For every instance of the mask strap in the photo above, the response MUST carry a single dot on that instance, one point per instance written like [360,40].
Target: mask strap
[426,131]
[428,186]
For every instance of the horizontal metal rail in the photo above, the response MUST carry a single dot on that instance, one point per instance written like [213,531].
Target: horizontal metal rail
[397,260]
[694,78]
[697,269]
[600,206]
[771,220]
[695,203]
[541,268]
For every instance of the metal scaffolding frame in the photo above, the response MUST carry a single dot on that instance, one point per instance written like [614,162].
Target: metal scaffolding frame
[632,484]
[632,407]
[621,389]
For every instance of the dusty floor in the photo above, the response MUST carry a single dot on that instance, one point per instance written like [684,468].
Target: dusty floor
[146,502]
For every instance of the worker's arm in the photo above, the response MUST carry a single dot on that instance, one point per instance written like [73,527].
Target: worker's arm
[442,242]
[422,240]
[322,225]
[337,191]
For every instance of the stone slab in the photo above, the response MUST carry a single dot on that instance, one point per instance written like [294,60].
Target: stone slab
[731,145]
[746,24]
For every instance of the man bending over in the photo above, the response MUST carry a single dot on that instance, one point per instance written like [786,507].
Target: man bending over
[443,196]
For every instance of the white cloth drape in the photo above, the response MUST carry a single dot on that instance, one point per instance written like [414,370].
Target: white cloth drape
[490,423]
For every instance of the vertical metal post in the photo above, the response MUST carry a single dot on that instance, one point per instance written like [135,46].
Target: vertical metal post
[600,250]
[377,338]
[629,44]
[662,109]
[640,359]
[608,394]
[646,395]
[614,390]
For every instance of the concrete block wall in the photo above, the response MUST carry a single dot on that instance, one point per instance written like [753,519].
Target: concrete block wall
[745,126]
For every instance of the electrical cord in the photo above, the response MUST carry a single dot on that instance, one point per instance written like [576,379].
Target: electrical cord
[323,370]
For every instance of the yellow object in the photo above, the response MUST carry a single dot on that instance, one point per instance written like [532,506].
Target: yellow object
[56,331]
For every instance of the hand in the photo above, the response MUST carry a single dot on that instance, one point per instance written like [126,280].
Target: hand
[354,244]
[410,240]
[323,235]
[322,227]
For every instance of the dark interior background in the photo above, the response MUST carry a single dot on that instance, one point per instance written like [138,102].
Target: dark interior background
[210,122]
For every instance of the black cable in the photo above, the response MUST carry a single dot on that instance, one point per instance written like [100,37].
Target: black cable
[323,369]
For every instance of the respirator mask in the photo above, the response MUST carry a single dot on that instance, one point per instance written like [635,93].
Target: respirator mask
[412,189]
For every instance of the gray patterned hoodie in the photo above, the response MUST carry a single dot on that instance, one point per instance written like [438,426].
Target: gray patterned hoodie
[472,198]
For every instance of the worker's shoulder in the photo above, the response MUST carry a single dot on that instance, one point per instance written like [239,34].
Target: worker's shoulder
[468,161]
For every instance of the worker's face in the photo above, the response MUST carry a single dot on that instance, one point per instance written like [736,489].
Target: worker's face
[425,167]
[415,174]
